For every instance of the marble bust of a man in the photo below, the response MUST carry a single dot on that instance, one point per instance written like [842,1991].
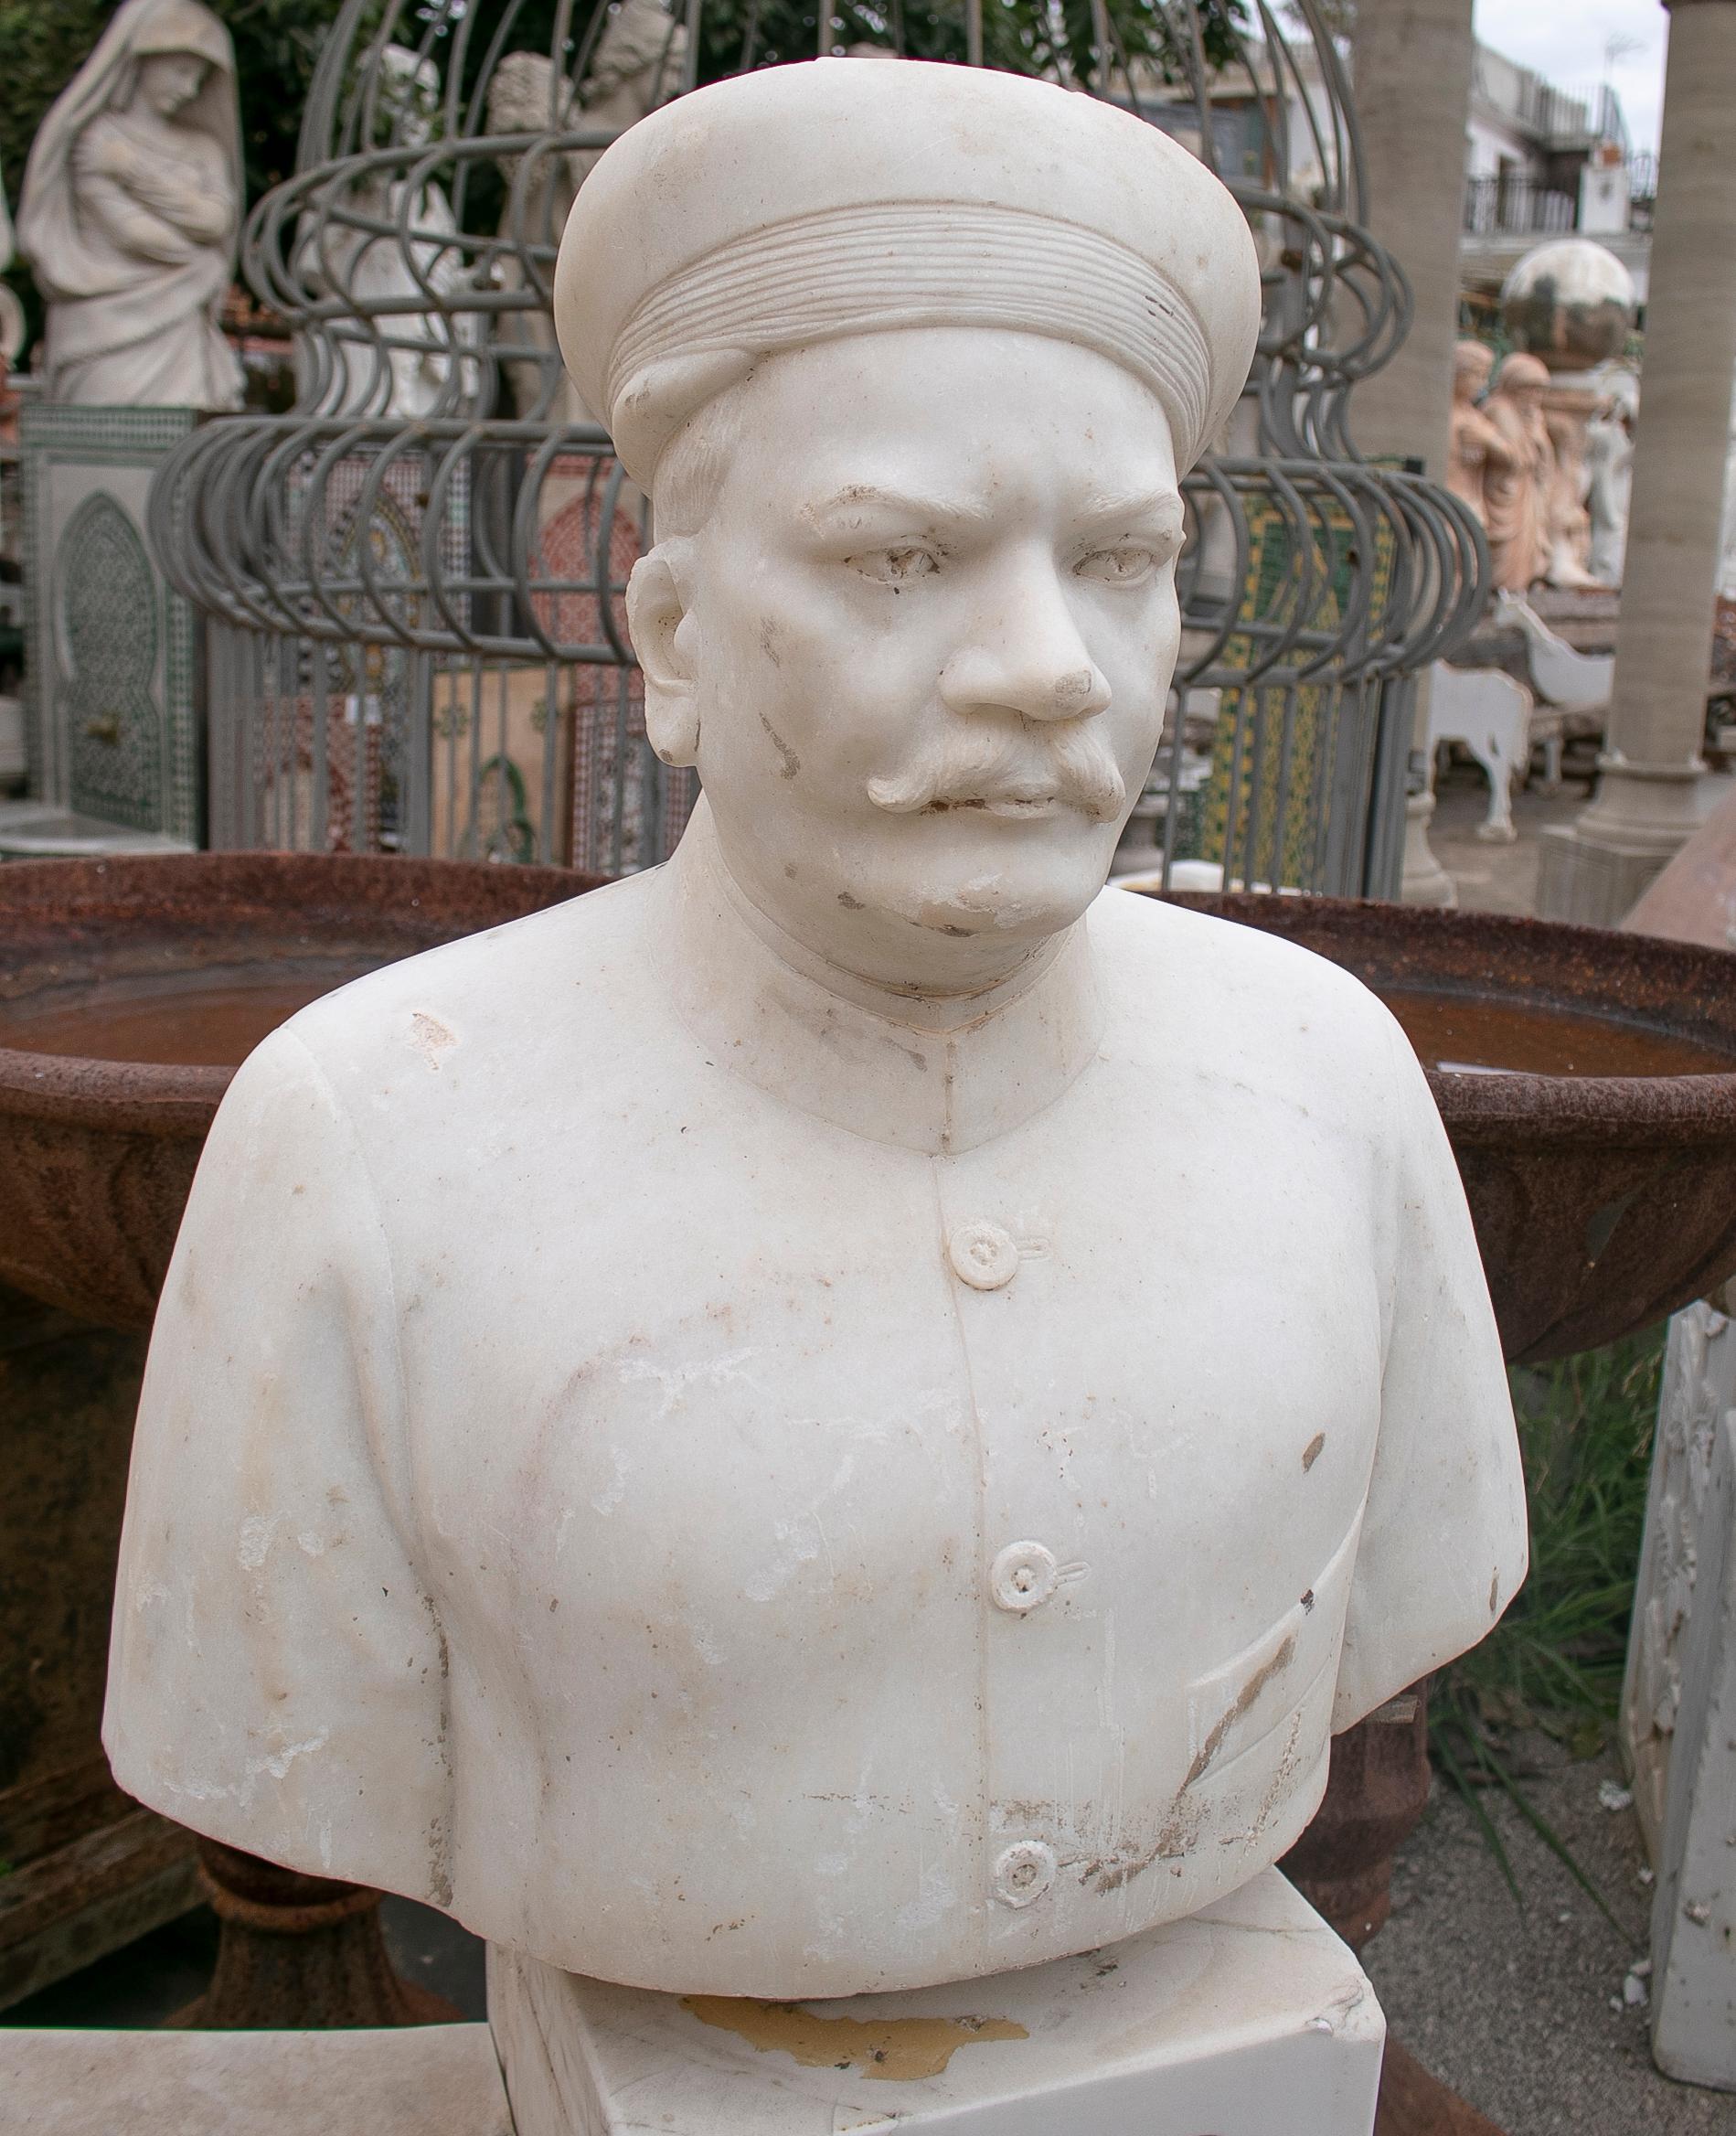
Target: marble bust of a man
[854,1410]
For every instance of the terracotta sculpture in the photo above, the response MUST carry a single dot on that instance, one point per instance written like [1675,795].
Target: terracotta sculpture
[717,1433]
[131,210]
[1517,496]
[1474,444]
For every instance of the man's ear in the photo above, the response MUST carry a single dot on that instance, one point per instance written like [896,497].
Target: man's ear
[662,633]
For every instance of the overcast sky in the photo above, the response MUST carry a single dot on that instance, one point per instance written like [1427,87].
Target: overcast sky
[1565,41]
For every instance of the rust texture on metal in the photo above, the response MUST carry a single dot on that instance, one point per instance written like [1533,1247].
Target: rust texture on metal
[297,1950]
[1602,1203]
[87,1869]
[1413,2103]
[1377,1790]
[96,1157]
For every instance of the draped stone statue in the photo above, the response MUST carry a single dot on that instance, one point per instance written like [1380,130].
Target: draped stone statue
[381,359]
[131,210]
[637,67]
[1727,531]
[1474,444]
[1609,457]
[1517,496]
[1567,416]
[525,95]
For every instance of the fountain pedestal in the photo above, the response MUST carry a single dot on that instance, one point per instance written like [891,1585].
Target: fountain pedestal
[309,1945]
[1245,2018]
[88,1870]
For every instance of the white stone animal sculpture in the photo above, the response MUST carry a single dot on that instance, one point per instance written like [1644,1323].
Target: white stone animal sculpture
[1560,676]
[1488,714]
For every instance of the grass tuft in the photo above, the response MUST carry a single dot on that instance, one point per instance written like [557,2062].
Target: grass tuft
[1555,1660]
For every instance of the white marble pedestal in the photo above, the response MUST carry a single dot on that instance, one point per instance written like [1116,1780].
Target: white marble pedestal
[418,2081]
[1248,2019]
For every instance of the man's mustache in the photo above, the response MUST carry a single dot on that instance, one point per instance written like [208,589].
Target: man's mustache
[1007,769]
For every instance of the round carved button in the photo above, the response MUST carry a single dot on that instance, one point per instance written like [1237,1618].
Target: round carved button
[1024,1872]
[1022,1576]
[982,1255]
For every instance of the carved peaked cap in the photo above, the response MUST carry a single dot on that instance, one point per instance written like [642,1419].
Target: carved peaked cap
[834,197]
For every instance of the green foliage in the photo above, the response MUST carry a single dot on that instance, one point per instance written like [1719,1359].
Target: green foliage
[278,42]
[277,46]
[43,43]
[1556,1660]
[40,49]
[1025,36]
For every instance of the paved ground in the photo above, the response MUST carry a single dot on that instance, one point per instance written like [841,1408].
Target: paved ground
[1511,2006]
[1503,878]
[1522,2010]
[1493,879]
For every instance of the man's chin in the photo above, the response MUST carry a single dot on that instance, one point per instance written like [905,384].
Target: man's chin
[1018,895]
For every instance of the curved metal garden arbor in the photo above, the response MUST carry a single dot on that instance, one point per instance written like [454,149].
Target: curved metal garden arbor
[413,581]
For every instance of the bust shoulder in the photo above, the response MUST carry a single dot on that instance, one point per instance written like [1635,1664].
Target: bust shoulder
[1236,1001]
[547,1000]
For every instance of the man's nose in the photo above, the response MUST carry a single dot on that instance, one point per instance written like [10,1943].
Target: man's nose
[1025,656]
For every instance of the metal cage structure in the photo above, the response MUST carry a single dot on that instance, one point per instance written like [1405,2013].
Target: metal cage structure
[413,582]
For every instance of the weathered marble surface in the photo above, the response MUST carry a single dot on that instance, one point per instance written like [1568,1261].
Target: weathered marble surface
[430,2080]
[1679,1700]
[1700,1386]
[1248,2019]
[1694,1912]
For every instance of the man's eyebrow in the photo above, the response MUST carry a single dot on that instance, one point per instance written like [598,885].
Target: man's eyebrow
[1135,505]
[905,504]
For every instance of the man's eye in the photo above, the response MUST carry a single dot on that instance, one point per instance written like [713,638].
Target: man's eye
[895,567]
[1117,567]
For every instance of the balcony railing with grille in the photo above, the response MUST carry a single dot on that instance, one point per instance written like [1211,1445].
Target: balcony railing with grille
[1516,206]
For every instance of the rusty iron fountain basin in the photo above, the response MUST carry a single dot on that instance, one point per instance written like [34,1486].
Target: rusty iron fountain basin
[1603,1201]
[151,957]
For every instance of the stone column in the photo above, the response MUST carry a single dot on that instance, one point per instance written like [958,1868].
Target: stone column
[1647,803]
[1412,72]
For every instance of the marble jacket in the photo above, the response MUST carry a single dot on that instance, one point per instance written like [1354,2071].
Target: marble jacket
[729,1491]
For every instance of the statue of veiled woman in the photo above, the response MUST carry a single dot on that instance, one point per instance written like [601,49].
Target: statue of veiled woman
[131,210]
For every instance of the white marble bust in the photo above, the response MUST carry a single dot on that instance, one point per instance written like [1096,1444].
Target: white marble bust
[854,1410]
